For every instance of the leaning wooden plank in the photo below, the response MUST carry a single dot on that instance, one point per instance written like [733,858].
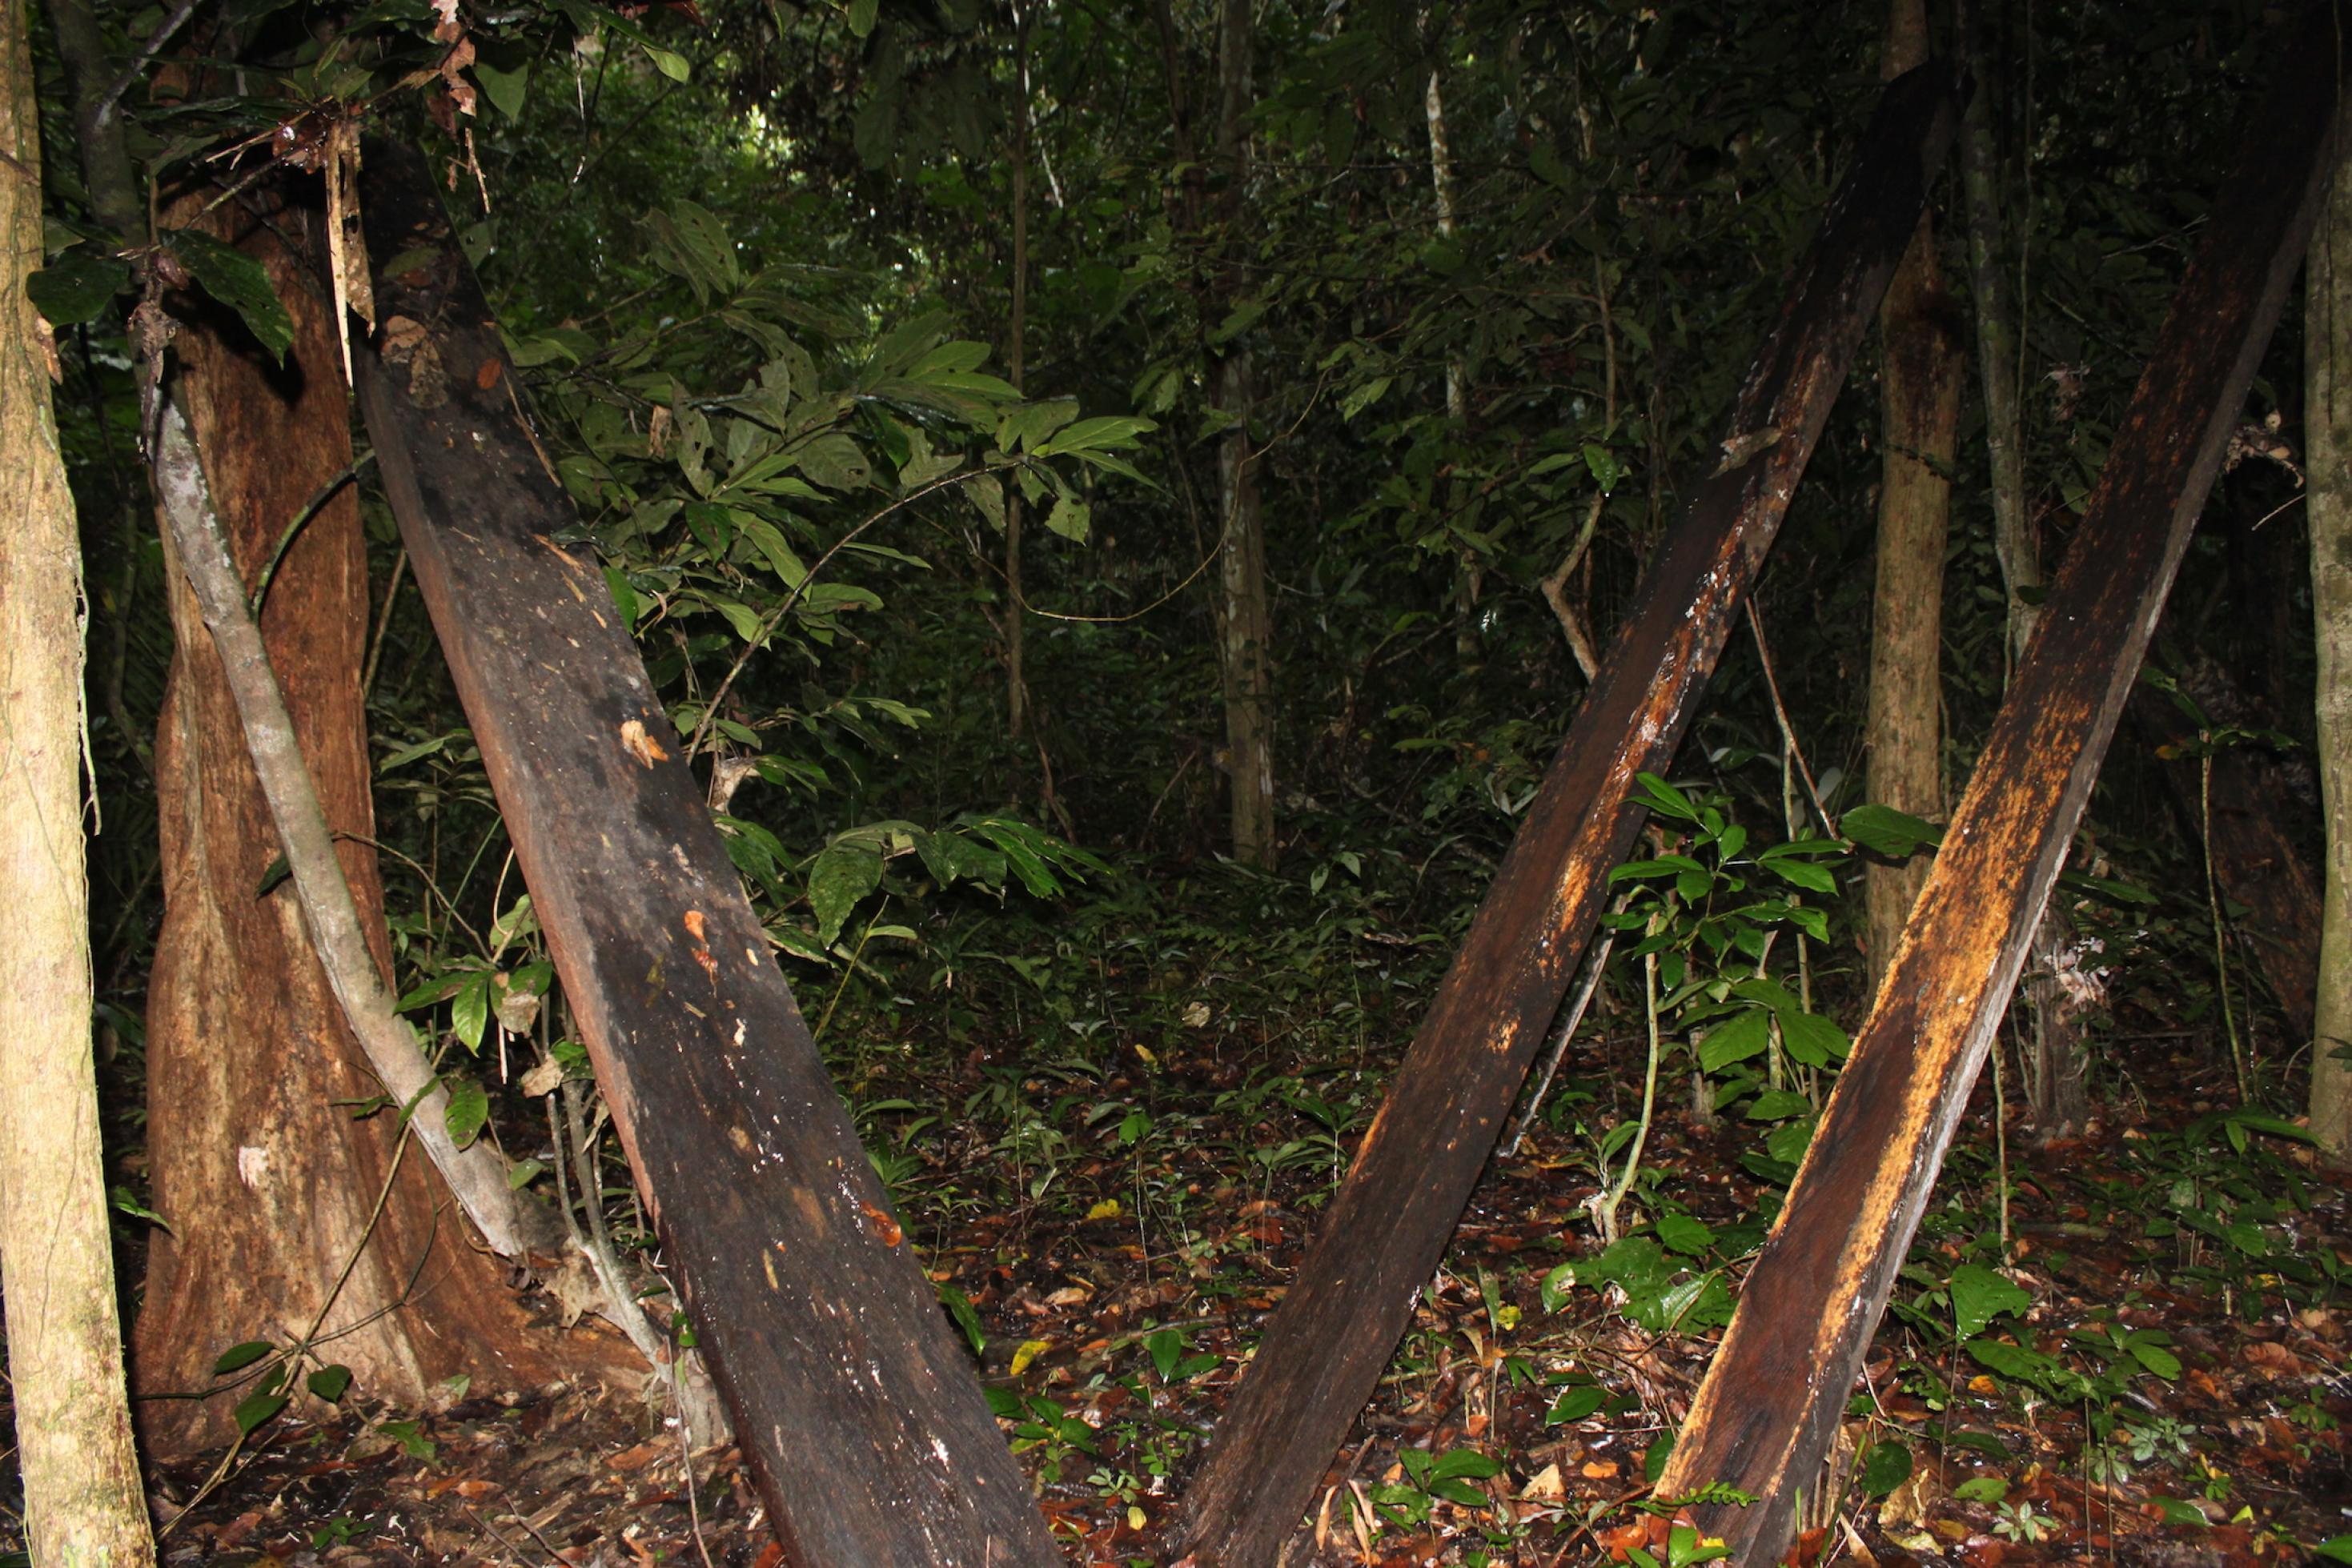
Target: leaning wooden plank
[1325,1347]
[1771,1403]
[862,1418]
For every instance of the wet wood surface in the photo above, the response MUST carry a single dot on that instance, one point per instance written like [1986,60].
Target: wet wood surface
[1768,1409]
[860,1415]
[1383,1236]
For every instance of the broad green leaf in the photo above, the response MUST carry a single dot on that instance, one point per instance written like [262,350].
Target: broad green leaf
[1665,799]
[1024,428]
[470,1011]
[410,1436]
[625,598]
[959,1310]
[1814,1040]
[833,460]
[505,90]
[1684,1235]
[1804,875]
[1070,519]
[1787,1141]
[470,1111]
[769,540]
[1883,829]
[237,1357]
[844,874]
[1606,469]
[2148,1349]
[1575,1402]
[668,62]
[742,618]
[1096,435]
[76,287]
[1884,1468]
[330,1381]
[239,282]
[2022,1364]
[1745,1036]
[256,1408]
[986,493]
[1778,1105]
[1166,1348]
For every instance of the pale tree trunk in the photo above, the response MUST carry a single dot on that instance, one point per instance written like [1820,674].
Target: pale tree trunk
[2327,404]
[1921,385]
[1247,624]
[1469,573]
[82,1499]
[2054,1076]
[267,1186]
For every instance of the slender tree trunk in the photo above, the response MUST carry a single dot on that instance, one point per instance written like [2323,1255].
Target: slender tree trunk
[267,1186]
[1921,383]
[1246,625]
[2014,543]
[2327,405]
[2054,1078]
[1469,573]
[1016,683]
[82,1497]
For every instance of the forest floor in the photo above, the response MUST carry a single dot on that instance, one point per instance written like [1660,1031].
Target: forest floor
[2156,1375]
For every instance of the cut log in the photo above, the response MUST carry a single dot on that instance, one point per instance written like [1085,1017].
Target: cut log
[861,1417]
[1771,1403]
[1387,1228]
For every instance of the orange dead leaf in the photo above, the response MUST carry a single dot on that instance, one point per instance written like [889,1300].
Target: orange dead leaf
[639,745]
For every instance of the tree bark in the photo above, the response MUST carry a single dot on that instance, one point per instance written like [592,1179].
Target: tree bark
[1246,626]
[2327,435]
[861,1420]
[1777,1388]
[1920,383]
[82,1497]
[2242,806]
[1388,1226]
[267,1185]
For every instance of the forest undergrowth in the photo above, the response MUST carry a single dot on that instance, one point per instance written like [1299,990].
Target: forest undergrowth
[1111,1135]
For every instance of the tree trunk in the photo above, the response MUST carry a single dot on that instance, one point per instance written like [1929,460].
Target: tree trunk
[1921,384]
[2242,806]
[2327,435]
[267,1185]
[2055,1083]
[1773,1396]
[1016,679]
[82,1497]
[1245,626]
[1469,573]
[1387,1226]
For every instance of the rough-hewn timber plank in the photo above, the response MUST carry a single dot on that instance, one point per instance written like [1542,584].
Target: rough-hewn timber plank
[1325,1347]
[1771,1403]
[862,1419]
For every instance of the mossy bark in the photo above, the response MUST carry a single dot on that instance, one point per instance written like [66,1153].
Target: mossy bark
[82,1499]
